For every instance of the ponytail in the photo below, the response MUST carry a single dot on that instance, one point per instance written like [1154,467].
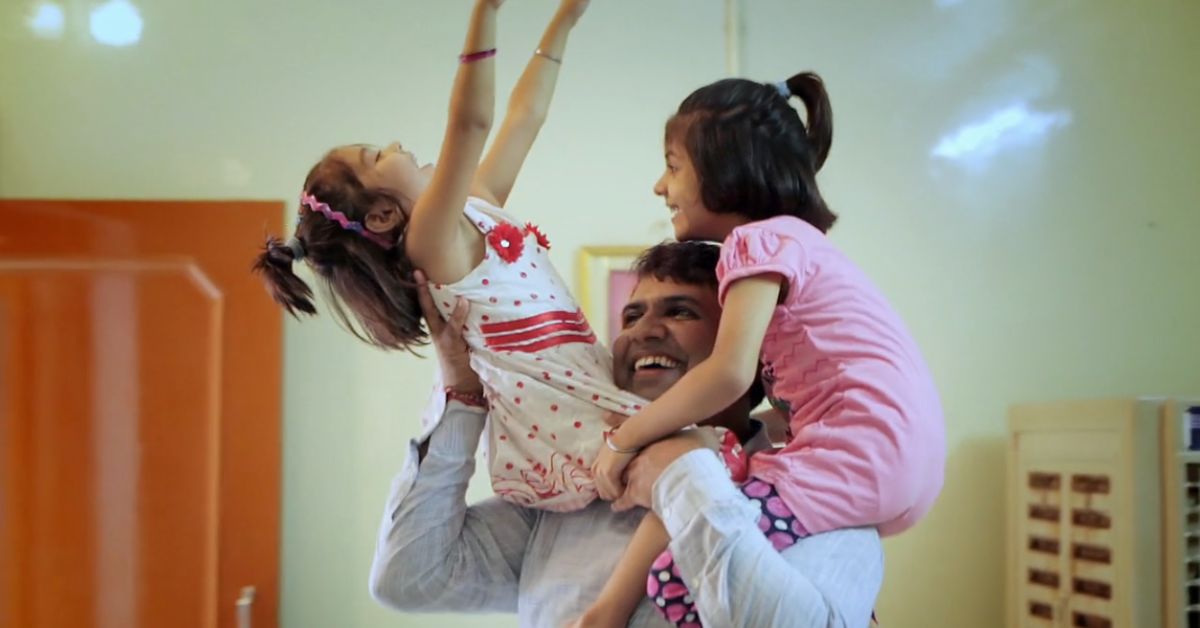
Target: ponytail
[809,88]
[274,264]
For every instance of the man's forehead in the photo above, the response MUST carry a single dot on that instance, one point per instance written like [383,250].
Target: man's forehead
[650,288]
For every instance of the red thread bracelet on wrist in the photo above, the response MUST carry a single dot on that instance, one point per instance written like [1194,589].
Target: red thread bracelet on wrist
[475,400]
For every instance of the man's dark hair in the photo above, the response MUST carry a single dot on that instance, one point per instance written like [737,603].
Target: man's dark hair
[691,263]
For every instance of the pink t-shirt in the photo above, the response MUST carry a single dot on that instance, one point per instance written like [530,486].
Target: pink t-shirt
[868,443]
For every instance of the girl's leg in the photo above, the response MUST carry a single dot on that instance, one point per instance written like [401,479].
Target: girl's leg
[666,586]
[627,585]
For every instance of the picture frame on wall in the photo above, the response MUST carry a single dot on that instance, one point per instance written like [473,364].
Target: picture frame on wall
[605,282]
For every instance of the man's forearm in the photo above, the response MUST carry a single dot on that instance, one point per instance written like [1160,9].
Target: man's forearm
[433,552]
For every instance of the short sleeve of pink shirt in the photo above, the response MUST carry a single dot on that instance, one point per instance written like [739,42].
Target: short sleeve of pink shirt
[756,250]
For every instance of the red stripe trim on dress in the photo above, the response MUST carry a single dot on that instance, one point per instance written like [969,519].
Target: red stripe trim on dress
[540,337]
[534,334]
[524,323]
[553,341]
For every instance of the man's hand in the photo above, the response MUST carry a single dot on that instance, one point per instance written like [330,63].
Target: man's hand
[452,351]
[614,419]
[607,472]
[645,470]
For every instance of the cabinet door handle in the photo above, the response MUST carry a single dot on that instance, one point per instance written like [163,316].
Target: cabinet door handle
[245,608]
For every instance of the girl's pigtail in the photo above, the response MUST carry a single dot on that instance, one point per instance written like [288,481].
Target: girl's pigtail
[274,264]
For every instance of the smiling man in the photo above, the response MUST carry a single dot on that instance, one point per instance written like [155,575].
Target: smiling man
[669,325]
[436,553]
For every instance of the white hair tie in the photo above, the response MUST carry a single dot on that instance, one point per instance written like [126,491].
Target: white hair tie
[782,88]
[297,248]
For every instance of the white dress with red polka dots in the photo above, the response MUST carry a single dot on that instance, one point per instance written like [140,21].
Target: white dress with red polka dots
[547,379]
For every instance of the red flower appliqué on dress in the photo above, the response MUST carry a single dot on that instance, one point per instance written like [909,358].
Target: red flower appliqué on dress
[508,241]
[542,240]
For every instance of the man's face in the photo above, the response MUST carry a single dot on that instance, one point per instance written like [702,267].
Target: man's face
[666,329]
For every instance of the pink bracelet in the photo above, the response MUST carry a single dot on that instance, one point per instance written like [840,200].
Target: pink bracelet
[470,57]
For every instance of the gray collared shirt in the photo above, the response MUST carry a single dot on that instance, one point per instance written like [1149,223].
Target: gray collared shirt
[436,553]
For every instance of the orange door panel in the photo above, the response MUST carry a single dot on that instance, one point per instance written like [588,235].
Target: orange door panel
[140,434]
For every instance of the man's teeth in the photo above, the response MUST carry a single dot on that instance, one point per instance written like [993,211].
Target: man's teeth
[655,360]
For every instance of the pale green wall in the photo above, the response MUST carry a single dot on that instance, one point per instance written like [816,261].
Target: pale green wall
[1062,264]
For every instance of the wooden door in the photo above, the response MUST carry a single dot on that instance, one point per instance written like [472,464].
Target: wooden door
[140,435]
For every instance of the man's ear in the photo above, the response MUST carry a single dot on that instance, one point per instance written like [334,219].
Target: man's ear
[384,217]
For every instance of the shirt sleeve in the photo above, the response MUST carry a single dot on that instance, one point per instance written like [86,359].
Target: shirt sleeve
[752,250]
[434,553]
[736,576]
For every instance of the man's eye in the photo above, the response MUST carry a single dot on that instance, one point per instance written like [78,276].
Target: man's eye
[680,312]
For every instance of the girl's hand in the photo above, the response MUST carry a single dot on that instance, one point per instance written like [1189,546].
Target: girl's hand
[607,472]
[650,463]
[573,9]
[454,356]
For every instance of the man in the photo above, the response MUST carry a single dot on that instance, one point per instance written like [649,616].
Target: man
[435,553]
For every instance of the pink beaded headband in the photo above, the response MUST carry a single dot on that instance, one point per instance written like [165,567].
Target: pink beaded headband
[311,202]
